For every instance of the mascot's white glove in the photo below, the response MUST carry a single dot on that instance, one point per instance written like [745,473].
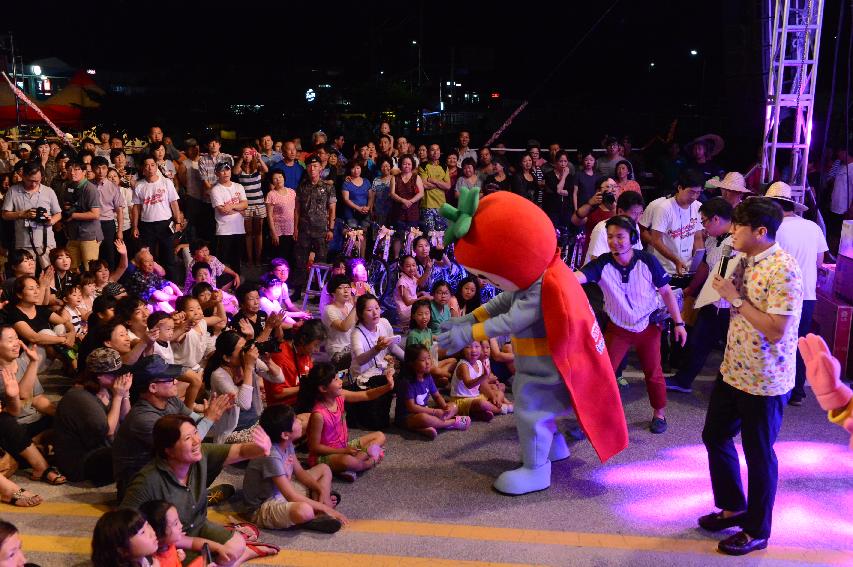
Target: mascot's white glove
[457,334]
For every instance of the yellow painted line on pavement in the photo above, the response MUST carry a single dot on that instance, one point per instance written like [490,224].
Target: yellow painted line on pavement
[505,535]
[294,558]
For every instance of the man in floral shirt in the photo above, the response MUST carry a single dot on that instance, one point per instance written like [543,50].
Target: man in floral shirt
[756,377]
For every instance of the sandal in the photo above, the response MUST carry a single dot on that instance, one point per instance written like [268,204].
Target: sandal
[335,496]
[462,422]
[255,547]
[58,477]
[248,530]
[20,499]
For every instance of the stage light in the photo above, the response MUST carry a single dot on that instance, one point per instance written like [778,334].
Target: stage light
[36,70]
[90,71]
[652,64]
[310,95]
[414,42]
[694,53]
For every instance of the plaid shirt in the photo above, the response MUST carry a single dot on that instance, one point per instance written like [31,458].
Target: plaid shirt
[207,166]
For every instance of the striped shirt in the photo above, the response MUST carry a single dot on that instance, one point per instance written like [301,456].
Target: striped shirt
[629,291]
[251,183]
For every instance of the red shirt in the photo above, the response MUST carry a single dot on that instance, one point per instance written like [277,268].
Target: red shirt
[596,216]
[293,366]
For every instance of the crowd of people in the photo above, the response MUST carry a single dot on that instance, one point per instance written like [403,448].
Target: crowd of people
[110,273]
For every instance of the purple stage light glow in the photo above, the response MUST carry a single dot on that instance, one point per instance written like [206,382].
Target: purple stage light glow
[813,500]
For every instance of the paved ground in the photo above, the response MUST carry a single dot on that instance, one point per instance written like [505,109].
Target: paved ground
[430,503]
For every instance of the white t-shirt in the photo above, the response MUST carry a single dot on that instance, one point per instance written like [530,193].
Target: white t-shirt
[598,242]
[165,352]
[457,386]
[155,197]
[362,340]
[678,227]
[804,240]
[232,223]
[842,191]
[190,351]
[336,341]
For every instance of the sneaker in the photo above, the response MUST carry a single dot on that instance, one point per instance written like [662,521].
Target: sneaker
[658,425]
[623,384]
[795,400]
[674,386]
[462,422]
[324,524]
[507,408]
[219,493]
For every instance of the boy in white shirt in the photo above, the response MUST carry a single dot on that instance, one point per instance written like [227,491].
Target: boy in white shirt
[229,201]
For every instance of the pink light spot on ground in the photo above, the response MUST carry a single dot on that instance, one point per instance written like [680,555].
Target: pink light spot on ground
[674,489]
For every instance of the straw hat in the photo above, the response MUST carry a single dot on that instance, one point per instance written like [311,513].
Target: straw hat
[714,143]
[780,191]
[733,181]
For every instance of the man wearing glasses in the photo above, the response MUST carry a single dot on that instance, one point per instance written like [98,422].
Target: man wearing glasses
[154,394]
[35,209]
[712,321]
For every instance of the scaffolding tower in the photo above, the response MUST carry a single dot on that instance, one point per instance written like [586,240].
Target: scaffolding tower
[794,29]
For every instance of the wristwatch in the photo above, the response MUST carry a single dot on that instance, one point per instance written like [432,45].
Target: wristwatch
[737,302]
[682,324]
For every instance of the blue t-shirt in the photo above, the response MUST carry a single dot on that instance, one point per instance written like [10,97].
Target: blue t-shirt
[418,390]
[292,173]
[358,195]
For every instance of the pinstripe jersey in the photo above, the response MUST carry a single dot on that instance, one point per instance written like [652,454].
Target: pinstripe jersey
[630,292]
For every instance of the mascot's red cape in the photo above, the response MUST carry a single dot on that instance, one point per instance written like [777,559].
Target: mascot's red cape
[513,238]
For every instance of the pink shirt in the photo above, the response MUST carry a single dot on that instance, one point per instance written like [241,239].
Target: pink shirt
[404,312]
[283,207]
[335,433]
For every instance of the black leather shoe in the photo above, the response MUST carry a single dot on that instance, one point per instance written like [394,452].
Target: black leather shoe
[715,521]
[738,544]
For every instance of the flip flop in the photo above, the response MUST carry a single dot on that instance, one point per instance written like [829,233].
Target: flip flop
[58,478]
[248,530]
[255,548]
[336,498]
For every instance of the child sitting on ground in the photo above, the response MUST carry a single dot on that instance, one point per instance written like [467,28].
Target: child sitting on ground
[406,290]
[328,436]
[415,388]
[465,385]
[199,251]
[201,272]
[88,289]
[190,380]
[274,299]
[493,388]
[439,306]
[278,492]
[421,334]
[163,518]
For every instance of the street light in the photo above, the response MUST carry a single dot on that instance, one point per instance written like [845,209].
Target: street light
[36,70]
[694,53]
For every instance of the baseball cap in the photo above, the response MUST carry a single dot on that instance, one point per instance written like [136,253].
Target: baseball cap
[312,159]
[106,360]
[153,368]
[222,165]
[25,147]
[113,289]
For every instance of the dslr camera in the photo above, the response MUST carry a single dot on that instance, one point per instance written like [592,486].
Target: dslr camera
[42,216]
[267,347]
[608,198]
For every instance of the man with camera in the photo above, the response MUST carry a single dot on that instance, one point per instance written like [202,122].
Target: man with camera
[81,215]
[35,209]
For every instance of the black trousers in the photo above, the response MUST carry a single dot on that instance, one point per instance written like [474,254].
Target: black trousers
[158,237]
[107,251]
[799,390]
[13,436]
[712,326]
[758,419]
[229,249]
[200,215]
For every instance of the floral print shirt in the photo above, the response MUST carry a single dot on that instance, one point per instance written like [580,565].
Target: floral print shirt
[771,282]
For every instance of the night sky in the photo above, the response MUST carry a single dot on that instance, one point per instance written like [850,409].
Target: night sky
[269,55]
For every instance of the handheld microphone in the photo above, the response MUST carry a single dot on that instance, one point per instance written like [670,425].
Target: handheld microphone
[724,260]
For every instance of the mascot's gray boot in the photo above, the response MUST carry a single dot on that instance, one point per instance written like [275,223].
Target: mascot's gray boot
[559,448]
[523,480]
